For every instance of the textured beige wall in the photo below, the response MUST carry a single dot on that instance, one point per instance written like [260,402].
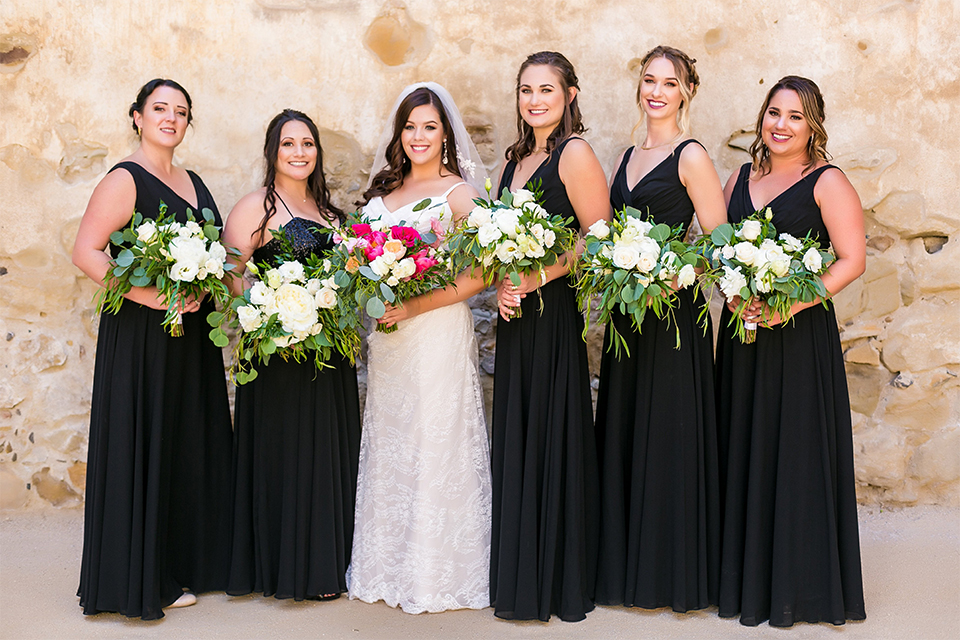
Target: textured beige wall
[888,68]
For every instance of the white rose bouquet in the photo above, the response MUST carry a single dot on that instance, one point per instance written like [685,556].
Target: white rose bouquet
[379,264]
[181,260]
[749,260]
[291,310]
[513,235]
[632,265]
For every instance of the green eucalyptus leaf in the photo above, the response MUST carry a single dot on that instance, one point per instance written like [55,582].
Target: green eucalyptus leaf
[387,293]
[375,308]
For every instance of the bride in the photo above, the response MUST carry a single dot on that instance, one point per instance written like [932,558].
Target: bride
[422,532]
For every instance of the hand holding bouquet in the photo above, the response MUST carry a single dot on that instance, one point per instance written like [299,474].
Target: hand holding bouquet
[748,260]
[182,260]
[630,265]
[292,309]
[510,236]
[380,264]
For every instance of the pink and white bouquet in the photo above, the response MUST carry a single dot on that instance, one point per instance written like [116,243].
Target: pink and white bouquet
[182,260]
[631,264]
[381,264]
[750,261]
[293,310]
[510,236]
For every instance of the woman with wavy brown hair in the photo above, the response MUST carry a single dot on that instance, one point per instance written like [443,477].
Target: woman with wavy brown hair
[545,479]
[791,550]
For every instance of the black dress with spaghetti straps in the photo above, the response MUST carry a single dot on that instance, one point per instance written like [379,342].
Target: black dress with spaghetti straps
[157,518]
[791,548]
[657,436]
[296,447]
[545,479]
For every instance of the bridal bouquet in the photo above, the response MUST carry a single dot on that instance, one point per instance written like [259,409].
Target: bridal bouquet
[182,260]
[293,310]
[379,264]
[749,260]
[513,235]
[630,265]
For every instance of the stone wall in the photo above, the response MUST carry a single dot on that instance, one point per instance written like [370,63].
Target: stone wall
[889,70]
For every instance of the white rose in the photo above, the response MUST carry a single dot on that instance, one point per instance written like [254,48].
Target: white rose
[488,234]
[479,217]
[728,252]
[147,231]
[388,258]
[284,341]
[183,231]
[599,229]
[549,237]
[327,265]
[184,271]
[537,231]
[750,230]
[606,251]
[812,260]
[508,220]
[315,329]
[687,276]
[629,233]
[380,266]
[273,278]
[292,272]
[521,196]
[780,265]
[745,252]
[625,256]
[214,266]
[642,227]
[731,282]
[393,281]
[296,308]
[217,251]
[790,243]
[647,260]
[188,249]
[405,268]
[250,318]
[260,293]
[508,251]
[313,285]
[194,229]
[326,298]
[535,209]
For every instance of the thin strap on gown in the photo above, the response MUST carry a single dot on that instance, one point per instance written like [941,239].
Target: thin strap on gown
[289,213]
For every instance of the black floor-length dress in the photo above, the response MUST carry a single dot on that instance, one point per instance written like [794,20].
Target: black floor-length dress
[657,437]
[296,447]
[791,548]
[545,479]
[157,518]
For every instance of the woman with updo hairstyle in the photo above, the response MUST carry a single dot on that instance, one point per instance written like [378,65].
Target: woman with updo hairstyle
[545,478]
[296,427]
[656,417]
[158,463]
[791,549]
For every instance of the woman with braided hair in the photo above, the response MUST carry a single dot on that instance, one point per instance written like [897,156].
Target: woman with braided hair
[660,499]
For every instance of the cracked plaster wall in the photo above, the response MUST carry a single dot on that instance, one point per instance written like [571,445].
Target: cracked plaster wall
[890,72]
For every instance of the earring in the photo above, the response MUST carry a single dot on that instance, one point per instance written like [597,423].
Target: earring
[446,158]
[139,132]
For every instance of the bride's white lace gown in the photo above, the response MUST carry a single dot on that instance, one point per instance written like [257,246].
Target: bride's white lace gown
[423,515]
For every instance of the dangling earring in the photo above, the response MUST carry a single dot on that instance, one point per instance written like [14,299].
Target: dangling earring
[446,158]
[139,132]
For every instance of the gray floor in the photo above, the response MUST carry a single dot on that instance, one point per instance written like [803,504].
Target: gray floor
[911,569]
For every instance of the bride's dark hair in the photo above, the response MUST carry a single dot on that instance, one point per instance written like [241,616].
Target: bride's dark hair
[316,183]
[570,124]
[398,165]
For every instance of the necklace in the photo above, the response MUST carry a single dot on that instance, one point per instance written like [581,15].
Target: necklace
[662,144]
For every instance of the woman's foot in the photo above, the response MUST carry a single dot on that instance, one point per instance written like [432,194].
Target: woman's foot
[326,596]
[186,600]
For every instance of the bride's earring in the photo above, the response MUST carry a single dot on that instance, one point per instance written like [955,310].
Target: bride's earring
[446,157]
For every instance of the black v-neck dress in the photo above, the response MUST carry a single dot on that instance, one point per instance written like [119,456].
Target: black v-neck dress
[545,479]
[296,449]
[157,513]
[791,548]
[657,436]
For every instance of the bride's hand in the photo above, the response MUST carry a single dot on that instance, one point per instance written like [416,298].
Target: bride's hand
[395,314]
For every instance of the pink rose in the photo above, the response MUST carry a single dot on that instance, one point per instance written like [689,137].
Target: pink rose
[407,235]
[361,229]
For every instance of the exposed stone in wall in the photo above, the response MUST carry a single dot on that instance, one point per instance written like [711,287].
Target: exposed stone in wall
[889,72]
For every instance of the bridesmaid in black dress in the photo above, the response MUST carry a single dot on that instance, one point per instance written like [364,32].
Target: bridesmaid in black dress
[656,417]
[791,550]
[297,428]
[545,478]
[158,462]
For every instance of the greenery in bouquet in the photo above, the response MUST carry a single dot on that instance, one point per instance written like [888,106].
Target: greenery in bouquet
[381,264]
[630,265]
[511,236]
[750,261]
[293,310]
[182,260]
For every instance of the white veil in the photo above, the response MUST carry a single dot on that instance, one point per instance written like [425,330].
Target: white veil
[468,158]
